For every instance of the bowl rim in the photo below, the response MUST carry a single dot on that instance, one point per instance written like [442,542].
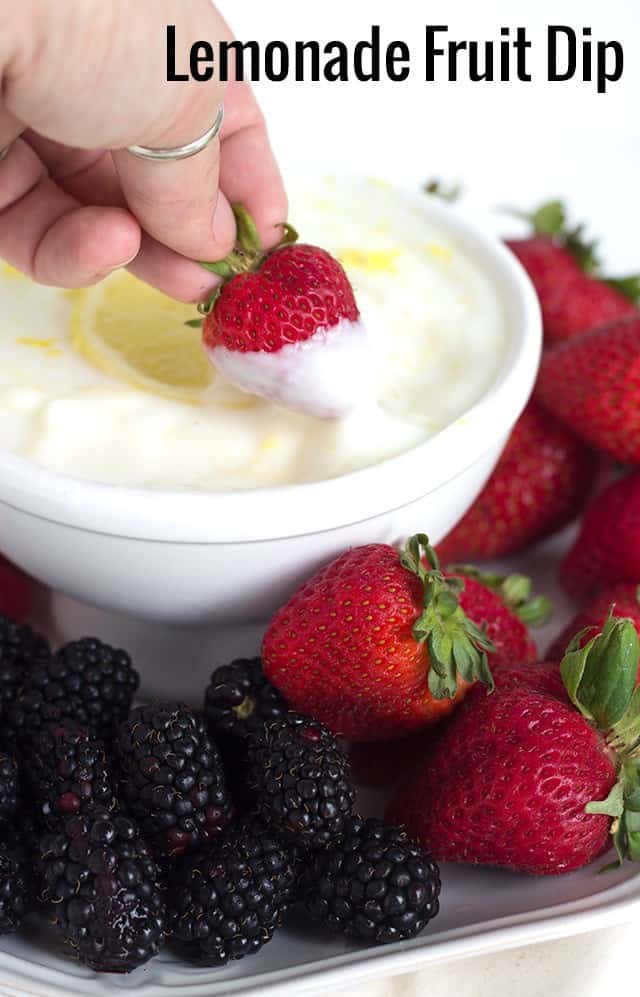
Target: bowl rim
[284,511]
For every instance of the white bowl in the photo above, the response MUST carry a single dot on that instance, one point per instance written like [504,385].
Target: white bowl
[196,558]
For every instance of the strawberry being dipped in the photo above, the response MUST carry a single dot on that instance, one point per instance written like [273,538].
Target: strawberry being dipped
[539,484]
[592,384]
[607,549]
[522,780]
[380,643]
[565,272]
[285,325]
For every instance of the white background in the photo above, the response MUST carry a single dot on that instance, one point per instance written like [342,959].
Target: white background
[508,143]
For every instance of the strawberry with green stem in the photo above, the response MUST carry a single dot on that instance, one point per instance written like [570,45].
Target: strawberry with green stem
[381,643]
[284,325]
[504,607]
[601,679]
[566,273]
[621,599]
[525,781]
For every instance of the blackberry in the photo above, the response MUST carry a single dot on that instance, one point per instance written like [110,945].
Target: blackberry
[86,682]
[374,884]
[239,699]
[21,834]
[102,886]
[9,786]
[67,771]
[300,776]
[172,778]
[286,876]
[15,889]
[20,646]
[228,901]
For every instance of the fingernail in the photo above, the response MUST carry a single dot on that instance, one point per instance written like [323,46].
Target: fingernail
[119,266]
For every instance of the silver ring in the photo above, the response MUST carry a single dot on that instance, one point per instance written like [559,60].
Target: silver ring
[181,151]
[4,153]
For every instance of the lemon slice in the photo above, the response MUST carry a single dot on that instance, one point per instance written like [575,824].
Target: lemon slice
[135,334]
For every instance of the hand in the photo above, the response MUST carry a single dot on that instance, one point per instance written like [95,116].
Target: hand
[92,76]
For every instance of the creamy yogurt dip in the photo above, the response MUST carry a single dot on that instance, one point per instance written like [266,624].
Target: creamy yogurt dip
[434,320]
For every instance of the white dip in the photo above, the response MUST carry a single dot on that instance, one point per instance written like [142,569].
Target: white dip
[434,320]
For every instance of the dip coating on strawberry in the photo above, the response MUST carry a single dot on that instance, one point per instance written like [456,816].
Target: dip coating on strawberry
[285,326]
[376,645]
[522,780]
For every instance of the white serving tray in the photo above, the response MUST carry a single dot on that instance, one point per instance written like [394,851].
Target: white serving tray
[481,911]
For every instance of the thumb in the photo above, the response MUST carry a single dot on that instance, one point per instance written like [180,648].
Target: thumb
[179,202]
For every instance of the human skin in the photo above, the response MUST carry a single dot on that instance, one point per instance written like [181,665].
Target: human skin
[79,75]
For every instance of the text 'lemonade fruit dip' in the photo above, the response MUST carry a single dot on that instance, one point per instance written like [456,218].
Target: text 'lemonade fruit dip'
[93,385]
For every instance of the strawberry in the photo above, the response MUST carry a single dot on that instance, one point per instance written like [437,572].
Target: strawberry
[503,607]
[16,591]
[524,781]
[384,763]
[541,676]
[621,599]
[538,485]
[285,325]
[607,549]
[592,384]
[378,644]
[565,273]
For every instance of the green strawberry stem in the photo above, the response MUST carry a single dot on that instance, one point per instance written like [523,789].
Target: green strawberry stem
[601,680]
[247,238]
[550,219]
[628,287]
[246,256]
[515,592]
[457,647]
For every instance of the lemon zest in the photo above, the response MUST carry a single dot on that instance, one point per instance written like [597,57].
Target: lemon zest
[370,260]
[49,346]
[440,252]
[271,442]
